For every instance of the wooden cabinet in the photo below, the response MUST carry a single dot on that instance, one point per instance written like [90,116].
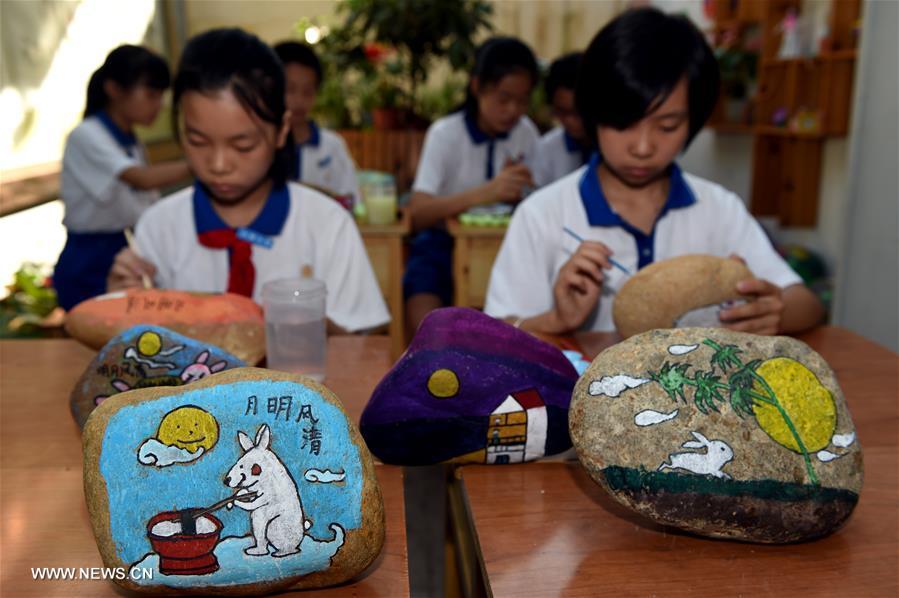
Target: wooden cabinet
[798,102]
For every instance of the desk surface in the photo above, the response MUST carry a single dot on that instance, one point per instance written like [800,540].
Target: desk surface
[44,519]
[547,529]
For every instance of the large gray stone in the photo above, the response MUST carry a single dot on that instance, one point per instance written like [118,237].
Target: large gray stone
[720,433]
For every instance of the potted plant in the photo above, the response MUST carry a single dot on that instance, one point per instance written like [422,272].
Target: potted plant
[419,32]
[738,76]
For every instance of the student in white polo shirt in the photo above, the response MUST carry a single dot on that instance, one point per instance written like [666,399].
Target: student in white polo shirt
[243,224]
[322,158]
[566,147]
[475,156]
[106,183]
[650,82]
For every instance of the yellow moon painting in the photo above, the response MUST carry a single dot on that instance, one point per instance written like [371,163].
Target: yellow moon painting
[149,343]
[806,401]
[188,428]
[443,384]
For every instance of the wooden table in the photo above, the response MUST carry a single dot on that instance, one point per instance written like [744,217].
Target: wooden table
[44,519]
[384,245]
[474,252]
[546,529]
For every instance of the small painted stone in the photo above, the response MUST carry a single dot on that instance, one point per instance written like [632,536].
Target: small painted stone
[232,322]
[471,389]
[248,481]
[720,433]
[142,357]
[684,291]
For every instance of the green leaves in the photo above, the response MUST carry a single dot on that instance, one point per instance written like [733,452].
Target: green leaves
[707,391]
[672,378]
[740,383]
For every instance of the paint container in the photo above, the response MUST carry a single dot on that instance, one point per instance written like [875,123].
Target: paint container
[184,554]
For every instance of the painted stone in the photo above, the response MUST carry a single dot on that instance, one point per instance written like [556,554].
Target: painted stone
[232,322]
[245,482]
[471,389]
[142,357]
[679,292]
[720,433]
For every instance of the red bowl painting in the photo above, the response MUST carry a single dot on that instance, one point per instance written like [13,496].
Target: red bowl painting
[183,554]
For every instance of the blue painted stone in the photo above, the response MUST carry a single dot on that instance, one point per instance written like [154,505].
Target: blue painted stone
[142,357]
[471,389]
[305,507]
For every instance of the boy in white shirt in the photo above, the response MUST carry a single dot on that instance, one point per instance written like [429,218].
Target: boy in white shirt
[652,84]
[322,158]
[566,147]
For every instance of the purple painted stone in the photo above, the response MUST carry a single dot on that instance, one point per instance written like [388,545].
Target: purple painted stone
[471,389]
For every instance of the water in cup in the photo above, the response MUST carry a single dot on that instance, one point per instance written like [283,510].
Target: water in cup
[295,338]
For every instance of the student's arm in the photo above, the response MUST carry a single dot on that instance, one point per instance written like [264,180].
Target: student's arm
[575,292]
[773,310]
[354,303]
[153,237]
[427,210]
[155,176]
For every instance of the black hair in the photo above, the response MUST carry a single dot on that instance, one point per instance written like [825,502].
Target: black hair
[634,63]
[496,58]
[297,53]
[239,61]
[127,66]
[562,74]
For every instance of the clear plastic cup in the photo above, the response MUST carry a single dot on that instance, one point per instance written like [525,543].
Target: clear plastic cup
[379,195]
[295,339]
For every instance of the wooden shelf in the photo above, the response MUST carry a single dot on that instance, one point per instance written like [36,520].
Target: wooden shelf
[728,128]
[787,163]
[771,130]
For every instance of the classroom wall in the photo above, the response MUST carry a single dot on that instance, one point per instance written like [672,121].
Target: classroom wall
[271,20]
[867,297]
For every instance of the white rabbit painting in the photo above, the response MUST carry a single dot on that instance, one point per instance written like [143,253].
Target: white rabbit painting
[718,454]
[276,513]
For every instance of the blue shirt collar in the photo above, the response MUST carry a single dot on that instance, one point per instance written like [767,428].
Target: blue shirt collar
[126,140]
[571,143]
[477,135]
[270,220]
[572,147]
[600,213]
[315,136]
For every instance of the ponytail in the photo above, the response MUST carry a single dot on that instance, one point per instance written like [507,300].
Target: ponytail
[127,66]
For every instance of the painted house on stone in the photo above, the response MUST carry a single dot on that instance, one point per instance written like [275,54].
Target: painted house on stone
[516,430]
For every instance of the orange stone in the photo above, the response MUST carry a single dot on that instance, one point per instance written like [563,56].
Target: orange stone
[232,322]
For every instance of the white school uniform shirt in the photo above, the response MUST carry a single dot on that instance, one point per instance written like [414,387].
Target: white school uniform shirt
[297,227]
[699,217]
[457,156]
[324,161]
[95,199]
[556,155]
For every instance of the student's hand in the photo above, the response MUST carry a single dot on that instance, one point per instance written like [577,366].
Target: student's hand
[579,284]
[510,183]
[762,314]
[128,270]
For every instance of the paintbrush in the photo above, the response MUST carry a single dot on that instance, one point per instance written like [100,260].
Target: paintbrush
[612,261]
